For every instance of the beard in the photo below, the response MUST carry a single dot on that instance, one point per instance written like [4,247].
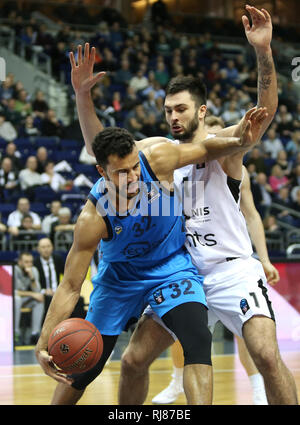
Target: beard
[188,133]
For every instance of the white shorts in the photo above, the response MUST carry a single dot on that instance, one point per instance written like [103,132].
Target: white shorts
[235,291]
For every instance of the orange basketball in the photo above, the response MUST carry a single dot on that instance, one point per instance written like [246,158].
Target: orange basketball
[76,345]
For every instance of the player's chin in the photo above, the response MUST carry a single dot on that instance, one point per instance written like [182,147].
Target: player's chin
[132,195]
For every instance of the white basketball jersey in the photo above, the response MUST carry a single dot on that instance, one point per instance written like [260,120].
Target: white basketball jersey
[215,226]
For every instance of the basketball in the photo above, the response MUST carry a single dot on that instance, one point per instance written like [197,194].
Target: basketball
[76,345]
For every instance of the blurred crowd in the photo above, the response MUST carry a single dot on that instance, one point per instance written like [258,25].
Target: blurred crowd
[138,65]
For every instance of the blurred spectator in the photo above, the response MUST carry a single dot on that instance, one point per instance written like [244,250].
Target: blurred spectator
[55,180]
[131,99]
[231,71]
[14,155]
[116,37]
[108,63]
[262,193]
[6,91]
[293,145]
[8,180]
[284,120]
[123,75]
[283,162]
[50,267]
[11,114]
[295,176]
[51,126]
[44,39]
[25,236]
[60,60]
[52,217]
[161,74]
[27,293]
[232,115]
[138,81]
[7,131]
[42,159]
[283,199]
[272,144]
[15,217]
[61,233]
[39,104]
[255,157]
[296,117]
[250,85]
[28,129]
[277,178]
[29,177]
[271,225]
[23,105]
[135,121]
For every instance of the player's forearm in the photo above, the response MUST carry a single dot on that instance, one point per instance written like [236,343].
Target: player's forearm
[257,234]
[267,94]
[89,122]
[61,307]
[218,147]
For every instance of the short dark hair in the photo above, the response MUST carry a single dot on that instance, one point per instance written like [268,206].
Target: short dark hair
[110,141]
[194,85]
[22,253]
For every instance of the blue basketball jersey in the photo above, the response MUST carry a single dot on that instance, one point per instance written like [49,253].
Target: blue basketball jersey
[151,231]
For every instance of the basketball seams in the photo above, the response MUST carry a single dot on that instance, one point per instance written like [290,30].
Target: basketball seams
[63,336]
[80,349]
[88,356]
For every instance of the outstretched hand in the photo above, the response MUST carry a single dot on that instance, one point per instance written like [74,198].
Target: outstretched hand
[82,73]
[253,125]
[259,34]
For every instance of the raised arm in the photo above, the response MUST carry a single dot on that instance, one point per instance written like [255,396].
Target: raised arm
[89,230]
[83,80]
[259,35]
[256,229]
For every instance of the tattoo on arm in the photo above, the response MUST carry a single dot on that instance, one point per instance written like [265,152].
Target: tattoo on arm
[265,71]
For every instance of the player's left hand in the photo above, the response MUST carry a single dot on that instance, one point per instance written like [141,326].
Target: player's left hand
[259,34]
[271,273]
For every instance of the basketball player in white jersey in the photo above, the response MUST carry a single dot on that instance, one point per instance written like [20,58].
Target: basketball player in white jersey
[219,244]
[256,231]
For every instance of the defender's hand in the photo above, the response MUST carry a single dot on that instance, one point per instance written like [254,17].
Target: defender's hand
[259,34]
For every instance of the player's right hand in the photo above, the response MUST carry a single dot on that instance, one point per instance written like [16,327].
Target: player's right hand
[49,367]
[252,126]
[82,73]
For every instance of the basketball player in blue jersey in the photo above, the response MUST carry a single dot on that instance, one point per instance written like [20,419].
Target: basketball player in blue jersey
[186,118]
[143,259]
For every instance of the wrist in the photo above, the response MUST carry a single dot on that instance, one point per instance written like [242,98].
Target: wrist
[263,50]
[83,95]
[265,260]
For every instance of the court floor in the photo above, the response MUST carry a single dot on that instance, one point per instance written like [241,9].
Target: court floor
[22,381]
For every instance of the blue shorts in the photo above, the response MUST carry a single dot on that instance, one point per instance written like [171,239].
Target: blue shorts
[122,290]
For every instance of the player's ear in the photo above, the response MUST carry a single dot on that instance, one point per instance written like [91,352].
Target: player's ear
[202,112]
[101,170]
